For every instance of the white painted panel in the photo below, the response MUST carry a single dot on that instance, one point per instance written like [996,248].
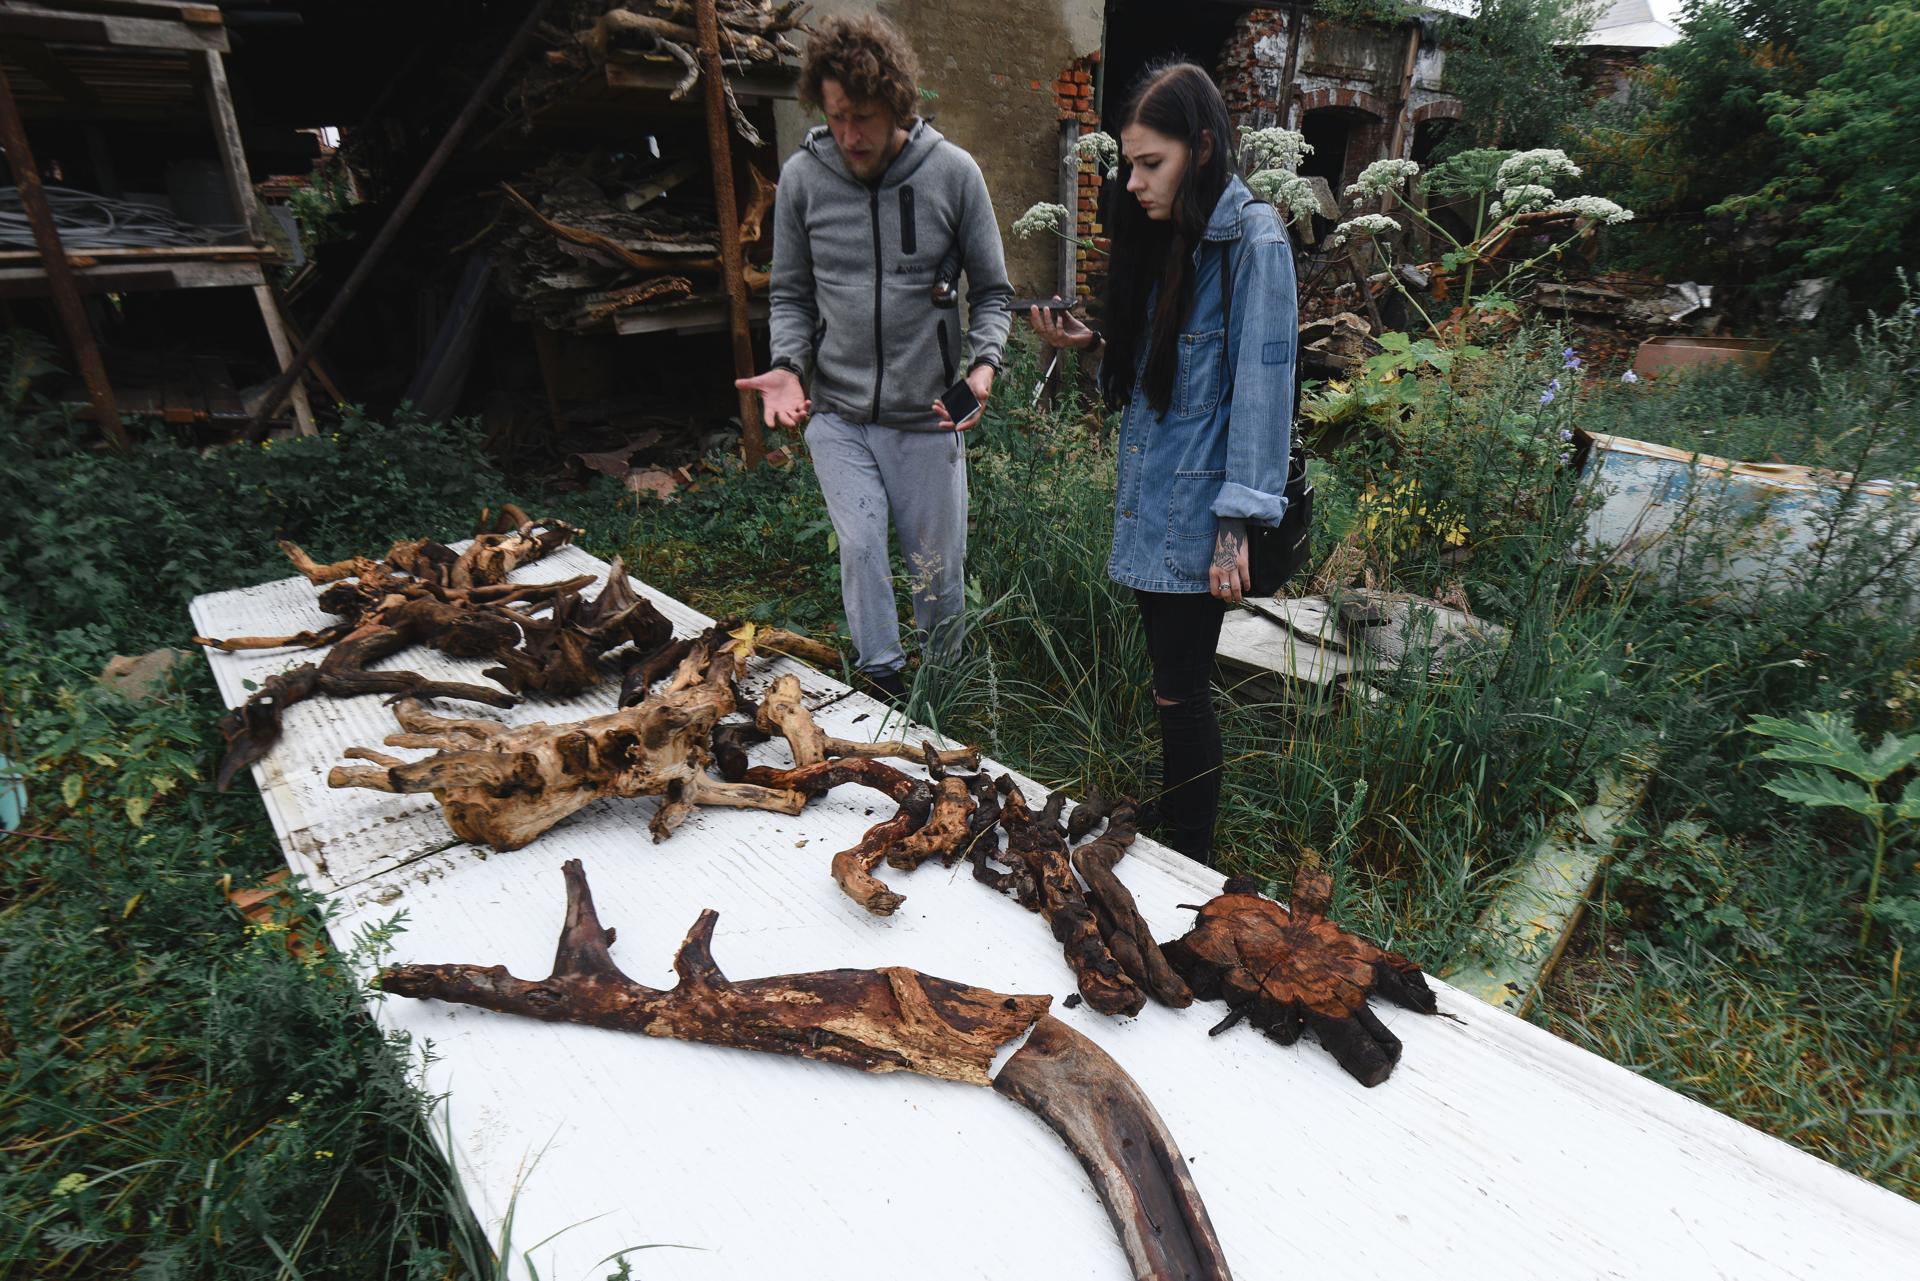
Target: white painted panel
[1495,1151]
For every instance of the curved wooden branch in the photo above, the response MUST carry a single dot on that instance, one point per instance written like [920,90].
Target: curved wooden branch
[885,1020]
[1110,1124]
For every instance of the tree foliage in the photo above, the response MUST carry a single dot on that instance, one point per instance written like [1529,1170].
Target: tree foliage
[1779,129]
[1510,67]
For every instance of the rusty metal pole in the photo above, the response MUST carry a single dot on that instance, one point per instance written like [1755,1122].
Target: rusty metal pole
[283,385]
[720,149]
[53,258]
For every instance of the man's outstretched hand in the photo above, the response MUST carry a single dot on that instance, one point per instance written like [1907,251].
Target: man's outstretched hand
[981,380]
[783,401]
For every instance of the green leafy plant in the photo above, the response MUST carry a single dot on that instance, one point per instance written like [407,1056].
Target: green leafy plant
[1848,776]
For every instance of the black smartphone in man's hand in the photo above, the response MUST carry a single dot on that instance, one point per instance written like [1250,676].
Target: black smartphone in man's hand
[960,402]
[1022,305]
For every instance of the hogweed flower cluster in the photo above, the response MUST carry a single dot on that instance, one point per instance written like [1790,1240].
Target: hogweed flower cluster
[1099,147]
[1367,225]
[1522,199]
[1383,177]
[1041,220]
[1274,148]
[1288,192]
[1598,208]
[1542,167]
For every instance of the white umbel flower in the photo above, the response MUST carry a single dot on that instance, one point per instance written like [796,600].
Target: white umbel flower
[1040,220]
[1522,199]
[1367,225]
[1541,167]
[1098,147]
[1382,177]
[1598,208]
[1274,149]
[1288,192]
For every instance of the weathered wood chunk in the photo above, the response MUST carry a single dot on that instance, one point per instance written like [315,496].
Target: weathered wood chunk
[1290,969]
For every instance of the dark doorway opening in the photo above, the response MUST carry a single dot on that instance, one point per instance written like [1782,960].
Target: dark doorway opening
[1142,32]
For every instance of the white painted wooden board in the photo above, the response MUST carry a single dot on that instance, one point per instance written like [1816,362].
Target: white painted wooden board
[1495,1150]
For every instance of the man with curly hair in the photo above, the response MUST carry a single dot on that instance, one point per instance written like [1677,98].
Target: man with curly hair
[876,210]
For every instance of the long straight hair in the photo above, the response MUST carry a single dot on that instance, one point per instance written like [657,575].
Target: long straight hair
[1180,100]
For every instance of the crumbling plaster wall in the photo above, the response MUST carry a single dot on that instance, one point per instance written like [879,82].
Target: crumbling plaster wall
[1357,68]
[991,66]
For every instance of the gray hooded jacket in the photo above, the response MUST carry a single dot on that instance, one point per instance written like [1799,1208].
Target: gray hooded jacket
[853,272]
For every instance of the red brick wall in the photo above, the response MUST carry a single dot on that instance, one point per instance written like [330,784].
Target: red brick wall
[1073,93]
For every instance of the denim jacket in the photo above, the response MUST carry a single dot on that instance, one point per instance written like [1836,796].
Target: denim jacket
[1214,453]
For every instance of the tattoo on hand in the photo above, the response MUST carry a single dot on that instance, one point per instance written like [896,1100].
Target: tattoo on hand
[1226,551]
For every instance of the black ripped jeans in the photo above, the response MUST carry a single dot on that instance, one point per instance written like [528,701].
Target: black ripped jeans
[1183,631]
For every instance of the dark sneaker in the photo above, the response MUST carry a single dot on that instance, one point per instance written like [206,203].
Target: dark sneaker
[891,686]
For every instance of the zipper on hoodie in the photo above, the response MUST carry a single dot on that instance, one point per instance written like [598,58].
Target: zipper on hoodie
[879,288]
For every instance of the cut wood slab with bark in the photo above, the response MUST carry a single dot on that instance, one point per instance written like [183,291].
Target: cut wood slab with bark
[1289,969]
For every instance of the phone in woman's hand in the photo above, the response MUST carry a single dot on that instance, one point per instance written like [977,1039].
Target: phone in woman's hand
[1023,305]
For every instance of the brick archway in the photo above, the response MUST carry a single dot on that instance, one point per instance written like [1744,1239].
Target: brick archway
[1356,99]
[1444,109]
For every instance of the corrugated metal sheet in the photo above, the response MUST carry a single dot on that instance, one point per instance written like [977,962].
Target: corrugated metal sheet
[1495,1151]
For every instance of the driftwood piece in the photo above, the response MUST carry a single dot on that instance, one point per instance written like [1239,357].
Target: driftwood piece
[487,560]
[1290,969]
[885,1020]
[1111,1126]
[505,789]
[1087,815]
[420,593]
[1042,881]
[642,674]
[1127,934]
[784,712]
[252,729]
[559,655]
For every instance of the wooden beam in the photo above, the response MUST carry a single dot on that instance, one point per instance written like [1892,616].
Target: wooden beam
[226,132]
[283,352]
[32,281]
[148,254]
[727,211]
[38,22]
[66,295]
[44,65]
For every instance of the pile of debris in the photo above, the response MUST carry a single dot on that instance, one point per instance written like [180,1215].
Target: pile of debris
[586,236]
[659,35]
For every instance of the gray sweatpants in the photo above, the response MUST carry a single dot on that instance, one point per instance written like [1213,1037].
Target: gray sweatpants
[867,474]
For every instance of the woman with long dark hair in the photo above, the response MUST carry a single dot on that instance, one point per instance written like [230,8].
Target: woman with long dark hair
[1202,319]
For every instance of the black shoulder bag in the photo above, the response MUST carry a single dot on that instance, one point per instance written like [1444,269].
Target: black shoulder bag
[1275,553]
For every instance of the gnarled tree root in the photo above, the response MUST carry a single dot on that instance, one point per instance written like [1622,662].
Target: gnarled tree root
[783,712]
[885,1020]
[1107,1120]
[1121,925]
[1042,881]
